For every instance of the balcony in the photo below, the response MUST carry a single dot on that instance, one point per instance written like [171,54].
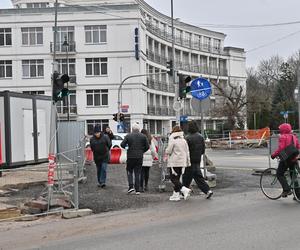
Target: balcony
[63,110]
[181,41]
[201,69]
[62,49]
[155,57]
[154,110]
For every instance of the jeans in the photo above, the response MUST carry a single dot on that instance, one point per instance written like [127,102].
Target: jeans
[194,172]
[175,179]
[145,176]
[101,172]
[134,165]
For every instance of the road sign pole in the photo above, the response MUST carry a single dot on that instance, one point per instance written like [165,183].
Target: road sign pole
[203,134]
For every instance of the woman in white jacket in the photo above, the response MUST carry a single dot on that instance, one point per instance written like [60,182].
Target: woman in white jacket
[178,159]
[147,161]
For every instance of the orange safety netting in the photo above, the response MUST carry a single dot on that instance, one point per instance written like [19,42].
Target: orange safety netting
[263,133]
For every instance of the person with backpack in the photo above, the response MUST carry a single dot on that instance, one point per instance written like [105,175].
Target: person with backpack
[100,145]
[137,144]
[147,161]
[178,156]
[285,139]
[197,149]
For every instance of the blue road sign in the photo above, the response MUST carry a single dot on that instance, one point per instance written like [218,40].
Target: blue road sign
[200,88]
[183,118]
[121,127]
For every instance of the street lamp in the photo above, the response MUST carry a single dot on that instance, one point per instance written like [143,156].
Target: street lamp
[66,45]
[297,98]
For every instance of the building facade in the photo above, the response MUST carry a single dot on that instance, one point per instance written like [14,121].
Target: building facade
[99,43]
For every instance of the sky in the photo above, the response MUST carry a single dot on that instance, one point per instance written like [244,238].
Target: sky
[274,40]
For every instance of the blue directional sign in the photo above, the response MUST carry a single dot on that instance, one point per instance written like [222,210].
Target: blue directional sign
[200,88]
[184,118]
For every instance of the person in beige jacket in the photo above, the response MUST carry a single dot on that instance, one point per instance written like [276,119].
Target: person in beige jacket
[178,159]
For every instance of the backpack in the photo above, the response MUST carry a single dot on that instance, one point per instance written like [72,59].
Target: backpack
[289,152]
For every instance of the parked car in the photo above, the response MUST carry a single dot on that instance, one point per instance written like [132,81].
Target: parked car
[118,138]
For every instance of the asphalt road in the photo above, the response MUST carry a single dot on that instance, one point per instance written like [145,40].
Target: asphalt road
[238,221]
[241,159]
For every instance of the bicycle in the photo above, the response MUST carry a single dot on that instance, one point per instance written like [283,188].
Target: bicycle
[271,187]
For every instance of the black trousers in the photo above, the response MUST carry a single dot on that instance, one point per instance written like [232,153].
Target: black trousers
[283,166]
[145,176]
[175,179]
[194,172]
[134,166]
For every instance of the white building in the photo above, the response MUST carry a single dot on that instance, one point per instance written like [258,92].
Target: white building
[101,51]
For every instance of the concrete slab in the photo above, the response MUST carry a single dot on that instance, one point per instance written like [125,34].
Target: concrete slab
[75,213]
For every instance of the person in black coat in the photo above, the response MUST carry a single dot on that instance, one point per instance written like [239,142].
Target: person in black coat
[100,145]
[197,149]
[137,144]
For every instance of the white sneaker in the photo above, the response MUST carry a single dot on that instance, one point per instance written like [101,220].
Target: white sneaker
[186,192]
[209,194]
[175,196]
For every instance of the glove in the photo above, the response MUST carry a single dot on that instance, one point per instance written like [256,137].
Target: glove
[273,157]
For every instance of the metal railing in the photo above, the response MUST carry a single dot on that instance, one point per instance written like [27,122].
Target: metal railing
[63,110]
[181,41]
[61,48]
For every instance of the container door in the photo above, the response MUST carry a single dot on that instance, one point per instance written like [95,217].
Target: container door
[28,135]
[42,138]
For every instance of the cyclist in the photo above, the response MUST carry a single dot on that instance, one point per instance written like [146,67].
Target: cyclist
[285,139]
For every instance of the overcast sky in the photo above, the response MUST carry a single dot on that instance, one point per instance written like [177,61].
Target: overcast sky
[240,12]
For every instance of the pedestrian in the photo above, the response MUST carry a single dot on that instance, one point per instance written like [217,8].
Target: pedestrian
[147,161]
[285,139]
[178,155]
[137,144]
[109,133]
[100,145]
[197,149]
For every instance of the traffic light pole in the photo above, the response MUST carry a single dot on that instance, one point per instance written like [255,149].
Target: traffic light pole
[174,64]
[122,83]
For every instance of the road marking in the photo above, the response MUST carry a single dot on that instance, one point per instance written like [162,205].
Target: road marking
[240,168]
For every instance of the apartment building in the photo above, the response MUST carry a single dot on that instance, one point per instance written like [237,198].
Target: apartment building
[99,43]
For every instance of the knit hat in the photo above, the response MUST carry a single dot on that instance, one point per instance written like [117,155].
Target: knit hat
[136,127]
[97,129]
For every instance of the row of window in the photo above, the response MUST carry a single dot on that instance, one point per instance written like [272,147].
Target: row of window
[35,68]
[31,36]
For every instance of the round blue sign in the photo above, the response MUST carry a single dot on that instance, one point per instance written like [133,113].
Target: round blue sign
[200,88]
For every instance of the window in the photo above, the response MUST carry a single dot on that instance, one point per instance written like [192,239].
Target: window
[67,66]
[34,92]
[97,98]
[5,37]
[33,68]
[62,106]
[32,36]
[92,123]
[37,5]
[95,34]
[217,44]
[96,66]
[206,43]
[5,68]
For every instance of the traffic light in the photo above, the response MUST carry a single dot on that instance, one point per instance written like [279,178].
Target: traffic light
[170,67]
[122,117]
[59,91]
[183,88]
[115,117]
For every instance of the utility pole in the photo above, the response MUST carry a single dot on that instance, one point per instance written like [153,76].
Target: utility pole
[174,64]
[52,143]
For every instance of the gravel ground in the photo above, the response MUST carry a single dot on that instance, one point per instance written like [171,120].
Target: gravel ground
[114,196]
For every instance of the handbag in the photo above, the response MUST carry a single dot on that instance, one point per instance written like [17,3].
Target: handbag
[289,152]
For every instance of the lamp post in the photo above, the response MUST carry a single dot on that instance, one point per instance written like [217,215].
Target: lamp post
[174,64]
[66,45]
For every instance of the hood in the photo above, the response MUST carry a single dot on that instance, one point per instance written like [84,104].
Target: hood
[285,128]
[176,134]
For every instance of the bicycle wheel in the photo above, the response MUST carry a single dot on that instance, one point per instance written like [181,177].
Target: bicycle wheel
[270,185]
[296,187]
